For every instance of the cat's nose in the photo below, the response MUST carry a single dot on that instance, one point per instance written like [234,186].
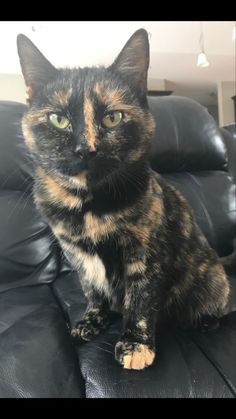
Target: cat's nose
[83,151]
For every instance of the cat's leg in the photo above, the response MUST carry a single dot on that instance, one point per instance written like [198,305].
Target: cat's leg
[136,347]
[205,300]
[95,320]
[216,295]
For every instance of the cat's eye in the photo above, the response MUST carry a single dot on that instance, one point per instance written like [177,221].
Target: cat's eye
[112,119]
[59,121]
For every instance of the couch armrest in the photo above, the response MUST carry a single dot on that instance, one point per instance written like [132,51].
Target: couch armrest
[230,143]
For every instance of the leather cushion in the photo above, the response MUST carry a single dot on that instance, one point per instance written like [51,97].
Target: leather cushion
[189,364]
[16,167]
[28,254]
[186,137]
[230,142]
[37,358]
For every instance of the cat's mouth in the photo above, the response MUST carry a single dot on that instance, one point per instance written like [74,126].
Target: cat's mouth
[101,167]
[98,167]
[74,168]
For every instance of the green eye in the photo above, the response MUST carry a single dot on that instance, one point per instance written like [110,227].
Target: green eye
[112,119]
[59,121]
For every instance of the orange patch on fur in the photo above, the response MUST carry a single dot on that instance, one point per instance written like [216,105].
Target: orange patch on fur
[219,274]
[91,135]
[203,267]
[95,227]
[34,117]
[62,97]
[186,224]
[136,267]
[156,210]
[135,155]
[30,119]
[141,233]
[58,193]
[142,324]
[107,95]
[28,134]
[59,229]
[79,181]
[114,99]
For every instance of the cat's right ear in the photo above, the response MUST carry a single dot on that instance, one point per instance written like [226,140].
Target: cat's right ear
[133,60]
[36,69]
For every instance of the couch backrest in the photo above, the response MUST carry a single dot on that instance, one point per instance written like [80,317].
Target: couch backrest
[27,254]
[186,137]
[190,152]
[230,142]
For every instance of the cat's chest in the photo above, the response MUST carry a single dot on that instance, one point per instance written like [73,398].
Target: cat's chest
[71,215]
[100,269]
[92,247]
[86,230]
[91,244]
[100,265]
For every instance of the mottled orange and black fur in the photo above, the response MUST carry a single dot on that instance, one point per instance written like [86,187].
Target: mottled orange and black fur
[132,236]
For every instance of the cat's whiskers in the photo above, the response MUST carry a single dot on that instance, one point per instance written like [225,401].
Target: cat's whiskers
[134,181]
[22,196]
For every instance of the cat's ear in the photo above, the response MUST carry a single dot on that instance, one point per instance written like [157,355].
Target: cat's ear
[36,69]
[133,60]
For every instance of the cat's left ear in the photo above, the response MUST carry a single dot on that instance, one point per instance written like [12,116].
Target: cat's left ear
[36,69]
[133,60]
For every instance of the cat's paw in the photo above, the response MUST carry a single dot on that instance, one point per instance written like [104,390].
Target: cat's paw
[84,331]
[89,327]
[133,355]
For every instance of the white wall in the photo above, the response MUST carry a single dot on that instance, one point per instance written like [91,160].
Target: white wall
[226,89]
[156,84]
[12,87]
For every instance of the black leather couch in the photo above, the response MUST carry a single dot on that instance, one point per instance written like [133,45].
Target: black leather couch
[40,297]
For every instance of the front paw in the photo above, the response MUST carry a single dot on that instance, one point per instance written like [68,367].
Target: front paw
[133,355]
[89,327]
[84,331]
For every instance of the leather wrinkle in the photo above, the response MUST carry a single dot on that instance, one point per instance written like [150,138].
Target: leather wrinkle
[218,368]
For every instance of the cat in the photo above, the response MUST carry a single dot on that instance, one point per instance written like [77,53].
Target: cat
[131,235]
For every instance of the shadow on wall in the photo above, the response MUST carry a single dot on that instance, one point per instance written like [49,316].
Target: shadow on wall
[213,111]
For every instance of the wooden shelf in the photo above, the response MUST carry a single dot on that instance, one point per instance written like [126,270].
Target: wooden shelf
[159,92]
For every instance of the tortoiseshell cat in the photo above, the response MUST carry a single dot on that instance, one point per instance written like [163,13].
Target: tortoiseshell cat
[132,235]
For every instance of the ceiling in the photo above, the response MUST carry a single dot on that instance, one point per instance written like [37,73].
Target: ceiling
[174,47]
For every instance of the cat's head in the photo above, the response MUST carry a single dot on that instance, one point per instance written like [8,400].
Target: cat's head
[87,121]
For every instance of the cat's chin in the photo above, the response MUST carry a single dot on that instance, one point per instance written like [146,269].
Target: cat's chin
[72,170]
[101,168]
[97,171]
